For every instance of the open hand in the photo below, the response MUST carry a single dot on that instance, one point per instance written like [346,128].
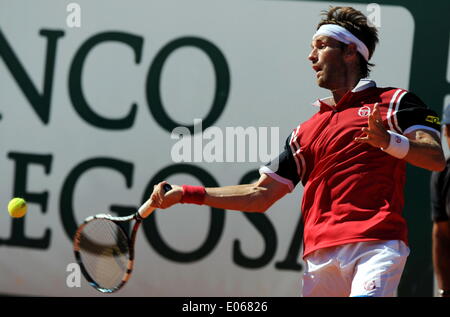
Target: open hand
[375,133]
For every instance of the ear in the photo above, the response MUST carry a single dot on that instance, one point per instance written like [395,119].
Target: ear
[351,50]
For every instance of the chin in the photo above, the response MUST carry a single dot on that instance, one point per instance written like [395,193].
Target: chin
[322,83]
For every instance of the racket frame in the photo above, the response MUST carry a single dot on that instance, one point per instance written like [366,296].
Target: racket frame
[130,241]
[144,211]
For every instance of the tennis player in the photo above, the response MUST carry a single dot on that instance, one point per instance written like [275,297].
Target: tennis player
[351,158]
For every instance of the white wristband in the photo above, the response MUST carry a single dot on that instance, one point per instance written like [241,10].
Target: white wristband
[398,145]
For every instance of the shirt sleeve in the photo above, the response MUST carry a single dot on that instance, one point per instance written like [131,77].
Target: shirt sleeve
[439,195]
[413,114]
[284,168]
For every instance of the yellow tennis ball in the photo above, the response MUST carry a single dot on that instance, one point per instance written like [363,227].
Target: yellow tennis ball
[17,207]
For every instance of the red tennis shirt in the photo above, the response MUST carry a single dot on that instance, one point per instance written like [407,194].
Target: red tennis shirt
[353,191]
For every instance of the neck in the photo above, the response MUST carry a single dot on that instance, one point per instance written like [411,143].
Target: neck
[346,86]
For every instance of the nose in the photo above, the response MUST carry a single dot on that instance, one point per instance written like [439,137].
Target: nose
[313,55]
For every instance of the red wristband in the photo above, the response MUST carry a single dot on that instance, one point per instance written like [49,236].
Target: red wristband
[193,195]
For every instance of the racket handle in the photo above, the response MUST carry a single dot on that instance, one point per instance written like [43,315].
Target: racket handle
[146,209]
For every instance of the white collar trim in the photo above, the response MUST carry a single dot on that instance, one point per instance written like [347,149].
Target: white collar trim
[364,84]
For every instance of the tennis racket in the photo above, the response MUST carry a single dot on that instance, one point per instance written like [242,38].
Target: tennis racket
[104,248]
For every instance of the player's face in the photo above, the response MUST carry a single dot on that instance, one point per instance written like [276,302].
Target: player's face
[327,57]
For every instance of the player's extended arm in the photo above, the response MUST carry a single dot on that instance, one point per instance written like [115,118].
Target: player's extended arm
[441,254]
[256,197]
[425,149]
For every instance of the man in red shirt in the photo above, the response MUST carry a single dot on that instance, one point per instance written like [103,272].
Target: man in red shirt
[351,158]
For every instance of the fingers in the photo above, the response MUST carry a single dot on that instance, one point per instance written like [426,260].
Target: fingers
[368,135]
[365,137]
[375,119]
[362,139]
[368,132]
[376,111]
[375,134]
[157,195]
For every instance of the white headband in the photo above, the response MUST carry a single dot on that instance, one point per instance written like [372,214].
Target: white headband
[343,35]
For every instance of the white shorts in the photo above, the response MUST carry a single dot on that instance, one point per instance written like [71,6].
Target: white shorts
[371,268]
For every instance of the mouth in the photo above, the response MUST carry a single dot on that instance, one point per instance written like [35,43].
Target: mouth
[318,70]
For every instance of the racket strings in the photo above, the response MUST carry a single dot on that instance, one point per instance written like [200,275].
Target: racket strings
[104,252]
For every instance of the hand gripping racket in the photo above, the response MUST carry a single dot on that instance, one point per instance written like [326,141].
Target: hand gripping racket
[104,249]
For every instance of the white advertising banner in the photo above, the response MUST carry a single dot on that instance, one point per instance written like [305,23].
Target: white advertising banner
[90,92]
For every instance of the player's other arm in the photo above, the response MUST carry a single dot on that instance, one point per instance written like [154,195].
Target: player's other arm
[255,197]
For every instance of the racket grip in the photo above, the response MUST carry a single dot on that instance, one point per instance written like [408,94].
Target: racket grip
[146,209]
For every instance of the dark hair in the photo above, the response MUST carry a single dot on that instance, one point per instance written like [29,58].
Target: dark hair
[356,23]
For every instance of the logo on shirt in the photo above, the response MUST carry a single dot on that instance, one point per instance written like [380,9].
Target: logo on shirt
[364,111]
[370,285]
[433,119]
